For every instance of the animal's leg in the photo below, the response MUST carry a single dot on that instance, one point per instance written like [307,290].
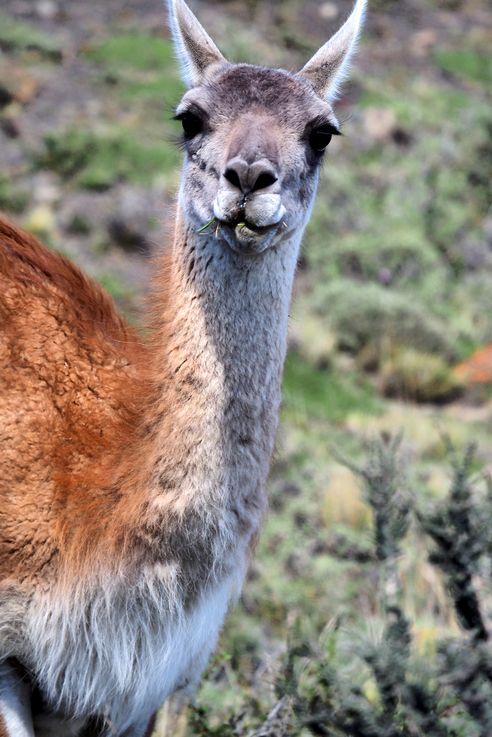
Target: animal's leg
[150,727]
[15,704]
[51,725]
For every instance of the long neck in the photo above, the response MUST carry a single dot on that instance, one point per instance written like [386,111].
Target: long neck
[193,491]
[223,343]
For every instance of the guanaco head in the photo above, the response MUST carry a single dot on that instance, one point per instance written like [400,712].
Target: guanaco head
[254,137]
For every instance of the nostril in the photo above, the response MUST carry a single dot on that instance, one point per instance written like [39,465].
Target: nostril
[249,177]
[265,179]
[233,177]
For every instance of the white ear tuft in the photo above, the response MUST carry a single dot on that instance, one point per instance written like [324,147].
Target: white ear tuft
[195,49]
[328,67]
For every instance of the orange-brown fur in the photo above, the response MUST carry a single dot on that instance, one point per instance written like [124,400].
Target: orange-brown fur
[86,405]
[69,381]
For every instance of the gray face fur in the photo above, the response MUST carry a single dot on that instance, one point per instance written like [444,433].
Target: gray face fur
[254,137]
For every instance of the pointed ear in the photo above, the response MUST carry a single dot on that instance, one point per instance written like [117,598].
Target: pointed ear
[328,67]
[195,49]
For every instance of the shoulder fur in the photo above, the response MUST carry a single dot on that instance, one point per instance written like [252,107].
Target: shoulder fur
[25,261]
[71,393]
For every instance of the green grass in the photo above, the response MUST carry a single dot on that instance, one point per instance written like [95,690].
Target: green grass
[422,102]
[466,64]
[12,197]
[17,35]
[324,394]
[97,161]
[127,51]
[140,74]
[140,67]
[123,294]
[118,289]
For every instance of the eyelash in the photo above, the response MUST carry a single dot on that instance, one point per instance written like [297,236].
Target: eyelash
[192,124]
[321,135]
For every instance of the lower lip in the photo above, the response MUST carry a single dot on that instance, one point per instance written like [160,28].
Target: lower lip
[246,240]
[248,231]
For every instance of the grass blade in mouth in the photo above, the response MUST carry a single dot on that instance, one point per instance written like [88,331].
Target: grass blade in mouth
[207,225]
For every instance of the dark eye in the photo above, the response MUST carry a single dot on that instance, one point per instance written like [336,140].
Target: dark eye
[321,135]
[192,124]
[319,138]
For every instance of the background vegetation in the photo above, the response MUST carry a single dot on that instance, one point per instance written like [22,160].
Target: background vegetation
[391,330]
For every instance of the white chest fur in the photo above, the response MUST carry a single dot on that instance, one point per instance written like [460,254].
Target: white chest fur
[125,651]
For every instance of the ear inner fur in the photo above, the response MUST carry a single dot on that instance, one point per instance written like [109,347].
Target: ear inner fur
[195,50]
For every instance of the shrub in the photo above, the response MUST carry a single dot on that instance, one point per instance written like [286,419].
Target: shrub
[371,318]
[421,377]
[352,685]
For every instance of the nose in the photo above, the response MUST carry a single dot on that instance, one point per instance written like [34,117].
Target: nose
[250,177]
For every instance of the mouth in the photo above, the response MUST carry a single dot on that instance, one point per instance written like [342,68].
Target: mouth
[247,238]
